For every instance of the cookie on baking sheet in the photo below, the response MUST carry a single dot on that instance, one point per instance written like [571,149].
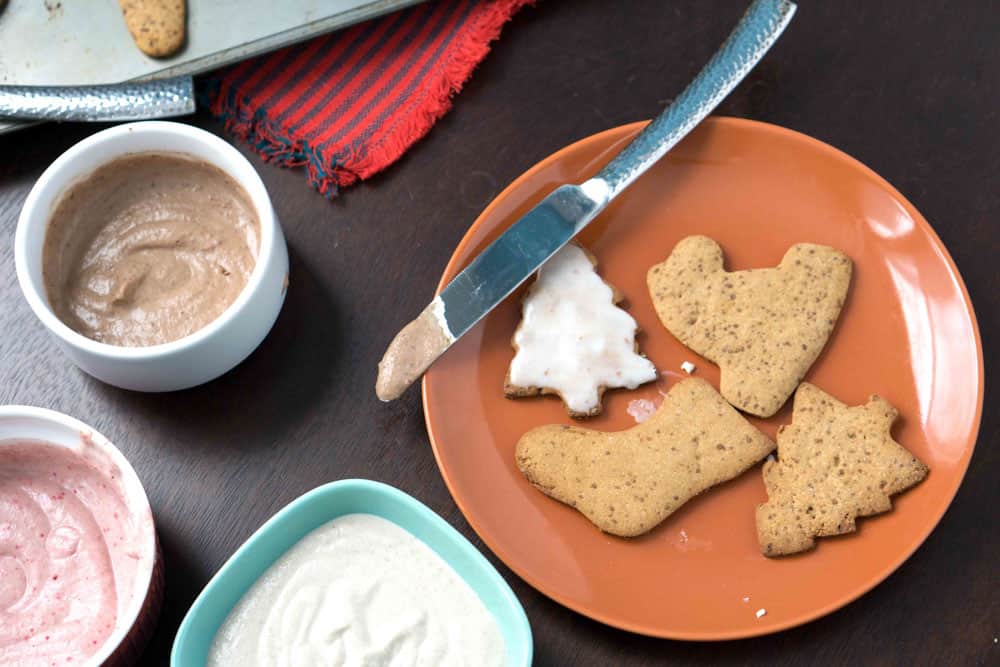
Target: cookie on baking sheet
[573,340]
[157,26]
[763,327]
[628,482]
[835,463]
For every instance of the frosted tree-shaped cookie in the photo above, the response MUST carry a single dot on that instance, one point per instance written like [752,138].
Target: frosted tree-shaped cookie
[573,339]
[835,463]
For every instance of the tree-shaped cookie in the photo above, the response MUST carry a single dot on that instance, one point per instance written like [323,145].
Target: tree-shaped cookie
[763,327]
[573,339]
[627,482]
[835,463]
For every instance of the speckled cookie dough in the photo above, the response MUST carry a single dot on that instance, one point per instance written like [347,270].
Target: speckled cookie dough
[157,26]
[628,482]
[763,327]
[835,463]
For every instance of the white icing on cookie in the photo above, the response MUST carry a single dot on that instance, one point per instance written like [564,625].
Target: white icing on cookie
[573,339]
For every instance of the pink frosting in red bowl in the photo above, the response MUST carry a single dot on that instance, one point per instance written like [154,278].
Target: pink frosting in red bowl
[79,566]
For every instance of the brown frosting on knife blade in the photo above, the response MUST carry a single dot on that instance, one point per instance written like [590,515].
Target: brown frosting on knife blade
[412,351]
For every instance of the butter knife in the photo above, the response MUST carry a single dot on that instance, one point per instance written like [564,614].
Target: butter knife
[528,243]
[158,98]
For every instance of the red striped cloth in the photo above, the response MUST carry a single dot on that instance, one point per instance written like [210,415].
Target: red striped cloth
[349,104]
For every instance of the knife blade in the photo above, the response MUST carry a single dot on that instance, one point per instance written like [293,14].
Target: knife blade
[513,257]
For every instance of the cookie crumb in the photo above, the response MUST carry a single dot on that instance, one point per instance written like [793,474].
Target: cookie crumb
[746,598]
[688,367]
[761,612]
[684,536]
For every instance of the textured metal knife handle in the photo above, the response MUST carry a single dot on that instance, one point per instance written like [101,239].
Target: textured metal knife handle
[124,101]
[759,28]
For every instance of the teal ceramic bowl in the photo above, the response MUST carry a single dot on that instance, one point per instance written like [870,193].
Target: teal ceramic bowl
[323,504]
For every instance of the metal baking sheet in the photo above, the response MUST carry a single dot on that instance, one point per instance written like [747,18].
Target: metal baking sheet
[79,42]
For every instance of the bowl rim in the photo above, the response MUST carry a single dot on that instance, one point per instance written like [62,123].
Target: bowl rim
[520,625]
[244,174]
[137,496]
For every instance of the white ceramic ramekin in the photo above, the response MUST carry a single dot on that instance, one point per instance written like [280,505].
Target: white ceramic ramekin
[206,353]
[137,619]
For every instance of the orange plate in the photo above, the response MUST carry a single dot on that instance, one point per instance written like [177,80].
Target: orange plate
[907,332]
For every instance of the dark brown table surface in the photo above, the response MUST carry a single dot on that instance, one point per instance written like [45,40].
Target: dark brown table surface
[911,89]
